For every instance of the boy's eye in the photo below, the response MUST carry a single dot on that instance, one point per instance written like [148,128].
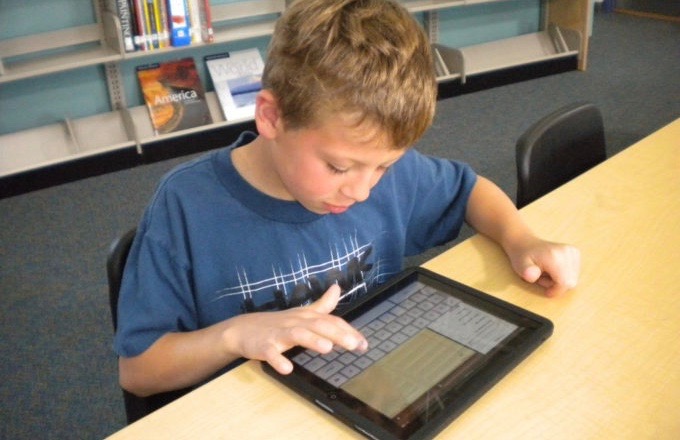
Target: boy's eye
[336,170]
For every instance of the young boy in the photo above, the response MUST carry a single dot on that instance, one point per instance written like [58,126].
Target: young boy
[244,253]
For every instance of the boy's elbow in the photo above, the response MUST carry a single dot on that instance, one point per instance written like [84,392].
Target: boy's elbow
[130,379]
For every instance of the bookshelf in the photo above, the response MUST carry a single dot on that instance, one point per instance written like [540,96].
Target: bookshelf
[127,129]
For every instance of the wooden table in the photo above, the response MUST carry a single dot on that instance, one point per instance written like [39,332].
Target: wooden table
[611,370]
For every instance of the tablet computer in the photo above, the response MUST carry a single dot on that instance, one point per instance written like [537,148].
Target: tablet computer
[435,346]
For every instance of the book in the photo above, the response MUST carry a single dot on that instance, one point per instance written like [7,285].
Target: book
[207,32]
[121,8]
[164,24]
[194,12]
[142,39]
[236,77]
[174,95]
[180,33]
[150,24]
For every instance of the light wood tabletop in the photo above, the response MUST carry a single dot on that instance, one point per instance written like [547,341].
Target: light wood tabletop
[611,370]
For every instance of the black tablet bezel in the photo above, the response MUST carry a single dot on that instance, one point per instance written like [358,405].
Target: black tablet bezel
[533,330]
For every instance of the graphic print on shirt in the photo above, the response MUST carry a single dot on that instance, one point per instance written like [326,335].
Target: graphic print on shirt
[303,282]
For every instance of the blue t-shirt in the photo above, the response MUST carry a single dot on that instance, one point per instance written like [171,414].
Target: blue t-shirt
[210,246]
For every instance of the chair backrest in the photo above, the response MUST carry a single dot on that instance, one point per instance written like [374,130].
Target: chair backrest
[135,407]
[558,148]
[115,264]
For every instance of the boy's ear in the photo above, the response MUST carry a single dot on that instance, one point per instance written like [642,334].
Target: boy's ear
[267,114]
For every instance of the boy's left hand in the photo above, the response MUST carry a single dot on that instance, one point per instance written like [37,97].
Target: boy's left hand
[553,266]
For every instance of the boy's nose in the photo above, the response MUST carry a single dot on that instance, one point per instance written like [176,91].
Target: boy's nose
[357,189]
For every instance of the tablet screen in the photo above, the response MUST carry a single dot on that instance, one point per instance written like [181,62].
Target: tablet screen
[416,339]
[434,345]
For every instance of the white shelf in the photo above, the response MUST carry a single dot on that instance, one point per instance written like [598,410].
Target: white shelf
[474,2]
[101,132]
[508,53]
[449,63]
[231,22]
[454,63]
[74,139]
[431,5]
[434,5]
[32,68]
[515,51]
[258,19]
[144,130]
[52,52]
[28,149]
[57,143]
[100,43]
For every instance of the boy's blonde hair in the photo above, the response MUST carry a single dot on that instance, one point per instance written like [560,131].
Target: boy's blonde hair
[366,59]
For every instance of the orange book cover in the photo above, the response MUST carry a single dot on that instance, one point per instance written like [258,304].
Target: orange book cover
[174,95]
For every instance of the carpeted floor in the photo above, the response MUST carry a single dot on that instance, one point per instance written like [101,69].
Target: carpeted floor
[667,8]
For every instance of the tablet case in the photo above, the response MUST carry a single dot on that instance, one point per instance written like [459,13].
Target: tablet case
[462,388]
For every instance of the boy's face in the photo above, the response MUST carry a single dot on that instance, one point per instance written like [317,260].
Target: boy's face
[330,167]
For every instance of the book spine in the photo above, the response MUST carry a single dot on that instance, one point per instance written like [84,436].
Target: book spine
[179,26]
[158,22]
[150,23]
[123,9]
[134,25]
[147,75]
[194,19]
[165,23]
[141,38]
[206,22]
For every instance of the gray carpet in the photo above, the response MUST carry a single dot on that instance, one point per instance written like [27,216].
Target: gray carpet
[59,373]
[669,8]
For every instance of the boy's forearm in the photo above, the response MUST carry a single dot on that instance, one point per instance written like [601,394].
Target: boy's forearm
[491,212]
[175,361]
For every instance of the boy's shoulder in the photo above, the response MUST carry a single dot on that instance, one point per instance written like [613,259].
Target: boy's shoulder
[203,166]
[415,161]
[417,171]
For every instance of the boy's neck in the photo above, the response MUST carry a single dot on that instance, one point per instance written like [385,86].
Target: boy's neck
[253,163]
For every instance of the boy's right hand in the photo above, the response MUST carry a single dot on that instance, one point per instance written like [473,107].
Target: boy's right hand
[266,335]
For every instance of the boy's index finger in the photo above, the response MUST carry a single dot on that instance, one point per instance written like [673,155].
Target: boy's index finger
[328,301]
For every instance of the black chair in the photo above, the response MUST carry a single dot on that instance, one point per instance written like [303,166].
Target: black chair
[135,407]
[558,148]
